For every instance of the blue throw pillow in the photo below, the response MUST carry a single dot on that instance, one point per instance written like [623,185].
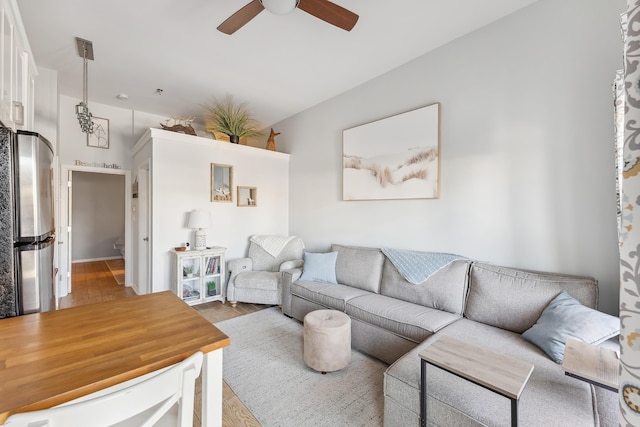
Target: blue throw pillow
[565,318]
[320,267]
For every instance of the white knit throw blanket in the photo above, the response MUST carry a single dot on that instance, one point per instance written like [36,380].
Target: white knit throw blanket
[273,245]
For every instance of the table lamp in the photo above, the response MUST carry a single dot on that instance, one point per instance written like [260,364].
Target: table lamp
[199,220]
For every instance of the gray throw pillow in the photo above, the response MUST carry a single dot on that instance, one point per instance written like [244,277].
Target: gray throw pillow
[564,318]
[320,267]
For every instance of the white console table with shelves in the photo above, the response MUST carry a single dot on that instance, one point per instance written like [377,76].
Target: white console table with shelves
[199,276]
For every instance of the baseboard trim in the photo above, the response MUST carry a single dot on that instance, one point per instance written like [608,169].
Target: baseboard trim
[95,259]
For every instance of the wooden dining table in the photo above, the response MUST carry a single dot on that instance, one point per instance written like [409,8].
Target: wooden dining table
[47,359]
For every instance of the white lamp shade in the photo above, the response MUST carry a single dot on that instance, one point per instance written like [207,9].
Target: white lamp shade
[280,7]
[199,219]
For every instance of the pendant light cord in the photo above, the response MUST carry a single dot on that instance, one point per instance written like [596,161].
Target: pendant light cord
[85,80]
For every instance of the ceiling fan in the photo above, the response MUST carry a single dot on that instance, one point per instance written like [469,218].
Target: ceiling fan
[321,9]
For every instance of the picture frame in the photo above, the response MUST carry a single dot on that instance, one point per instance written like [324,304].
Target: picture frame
[221,183]
[394,158]
[247,196]
[100,136]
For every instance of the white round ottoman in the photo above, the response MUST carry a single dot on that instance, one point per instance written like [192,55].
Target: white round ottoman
[327,340]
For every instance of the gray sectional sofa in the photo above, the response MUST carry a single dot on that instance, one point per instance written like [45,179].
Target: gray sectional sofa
[479,303]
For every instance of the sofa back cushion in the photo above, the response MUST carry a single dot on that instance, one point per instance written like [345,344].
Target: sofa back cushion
[264,261]
[444,290]
[514,299]
[359,267]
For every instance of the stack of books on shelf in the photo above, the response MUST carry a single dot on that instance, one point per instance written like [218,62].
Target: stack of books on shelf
[212,266]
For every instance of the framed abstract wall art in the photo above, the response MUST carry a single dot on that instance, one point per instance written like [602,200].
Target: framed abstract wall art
[393,158]
[100,136]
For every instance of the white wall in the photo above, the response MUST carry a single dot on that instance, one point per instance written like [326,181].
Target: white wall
[181,182]
[98,215]
[46,105]
[73,142]
[527,171]
[125,129]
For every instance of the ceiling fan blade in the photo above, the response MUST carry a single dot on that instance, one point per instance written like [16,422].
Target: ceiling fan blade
[330,12]
[241,17]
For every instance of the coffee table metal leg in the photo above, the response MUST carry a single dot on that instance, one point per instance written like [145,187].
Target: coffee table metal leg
[423,393]
[514,412]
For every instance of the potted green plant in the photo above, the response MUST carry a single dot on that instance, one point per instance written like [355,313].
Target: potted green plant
[211,288]
[187,270]
[232,119]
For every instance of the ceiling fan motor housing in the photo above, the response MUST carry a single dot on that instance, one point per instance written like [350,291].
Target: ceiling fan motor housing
[280,7]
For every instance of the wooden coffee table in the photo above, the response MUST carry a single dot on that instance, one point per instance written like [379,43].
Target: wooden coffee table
[497,372]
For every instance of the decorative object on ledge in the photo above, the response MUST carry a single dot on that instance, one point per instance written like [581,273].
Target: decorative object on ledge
[222,137]
[393,158]
[85,50]
[221,182]
[199,220]
[99,138]
[180,125]
[271,142]
[247,196]
[233,120]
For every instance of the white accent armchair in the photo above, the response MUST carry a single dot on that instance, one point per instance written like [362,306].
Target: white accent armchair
[258,278]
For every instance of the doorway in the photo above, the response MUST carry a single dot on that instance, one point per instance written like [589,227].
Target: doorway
[95,221]
[97,216]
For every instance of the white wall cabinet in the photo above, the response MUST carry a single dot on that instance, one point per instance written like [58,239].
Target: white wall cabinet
[17,70]
[199,276]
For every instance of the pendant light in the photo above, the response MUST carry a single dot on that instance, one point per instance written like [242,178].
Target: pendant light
[85,50]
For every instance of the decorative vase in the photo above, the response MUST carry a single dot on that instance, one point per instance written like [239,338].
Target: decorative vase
[235,139]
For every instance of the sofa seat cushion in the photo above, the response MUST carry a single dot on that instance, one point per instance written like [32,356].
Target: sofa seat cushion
[262,280]
[412,321]
[550,398]
[326,294]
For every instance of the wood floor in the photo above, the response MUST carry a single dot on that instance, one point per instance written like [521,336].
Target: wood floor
[93,282]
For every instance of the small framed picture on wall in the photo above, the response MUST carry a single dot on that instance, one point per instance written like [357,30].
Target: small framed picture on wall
[100,136]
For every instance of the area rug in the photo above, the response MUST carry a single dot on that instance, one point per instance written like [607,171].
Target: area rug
[116,266]
[264,367]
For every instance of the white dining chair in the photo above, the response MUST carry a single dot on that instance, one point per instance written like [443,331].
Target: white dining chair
[161,398]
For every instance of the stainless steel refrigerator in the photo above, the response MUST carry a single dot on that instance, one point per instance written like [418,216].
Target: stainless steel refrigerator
[26,224]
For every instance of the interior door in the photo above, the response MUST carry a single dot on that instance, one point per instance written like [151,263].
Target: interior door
[68,225]
[144,233]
